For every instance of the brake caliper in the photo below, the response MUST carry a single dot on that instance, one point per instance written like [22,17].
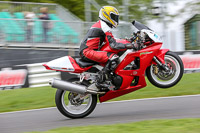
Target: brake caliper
[155,69]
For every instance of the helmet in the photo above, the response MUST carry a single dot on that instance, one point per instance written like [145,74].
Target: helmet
[110,15]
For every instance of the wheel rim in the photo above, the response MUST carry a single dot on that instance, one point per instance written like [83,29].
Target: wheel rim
[167,78]
[74,107]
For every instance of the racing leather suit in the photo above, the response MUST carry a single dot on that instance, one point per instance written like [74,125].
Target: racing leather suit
[97,35]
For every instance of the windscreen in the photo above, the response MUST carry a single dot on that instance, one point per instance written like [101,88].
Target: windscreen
[139,25]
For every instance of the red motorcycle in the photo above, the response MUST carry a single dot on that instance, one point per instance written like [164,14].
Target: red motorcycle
[77,97]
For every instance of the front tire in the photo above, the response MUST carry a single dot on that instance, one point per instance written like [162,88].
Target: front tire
[162,79]
[74,105]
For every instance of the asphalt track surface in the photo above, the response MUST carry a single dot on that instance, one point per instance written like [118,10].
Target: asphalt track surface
[105,113]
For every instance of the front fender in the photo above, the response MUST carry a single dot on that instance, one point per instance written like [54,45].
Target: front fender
[161,55]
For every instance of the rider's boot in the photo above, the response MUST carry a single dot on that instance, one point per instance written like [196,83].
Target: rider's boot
[104,74]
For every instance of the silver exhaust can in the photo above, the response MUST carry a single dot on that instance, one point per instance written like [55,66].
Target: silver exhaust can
[68,86]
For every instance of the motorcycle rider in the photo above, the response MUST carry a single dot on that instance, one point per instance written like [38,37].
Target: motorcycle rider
[97,36]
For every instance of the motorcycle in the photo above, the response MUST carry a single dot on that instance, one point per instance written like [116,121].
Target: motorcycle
[77,97]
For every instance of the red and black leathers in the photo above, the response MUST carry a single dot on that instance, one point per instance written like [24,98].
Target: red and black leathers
[91,44]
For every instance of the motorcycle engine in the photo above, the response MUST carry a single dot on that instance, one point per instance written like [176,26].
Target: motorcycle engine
[117,81]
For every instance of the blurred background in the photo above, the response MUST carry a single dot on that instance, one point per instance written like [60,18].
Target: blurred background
[28,39]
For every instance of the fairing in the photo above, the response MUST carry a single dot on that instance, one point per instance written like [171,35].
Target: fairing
[61,64]
[146,30]
[65,64]
[139,25]
[155,37]
[146,59]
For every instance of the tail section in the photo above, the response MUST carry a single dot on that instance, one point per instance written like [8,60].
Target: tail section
[65,64]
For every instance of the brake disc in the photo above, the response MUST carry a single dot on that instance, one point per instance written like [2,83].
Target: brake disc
[75,99]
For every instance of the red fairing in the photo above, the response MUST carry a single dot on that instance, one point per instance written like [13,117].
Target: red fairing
[77,68]
[47,67]
[146,55]
[161,55]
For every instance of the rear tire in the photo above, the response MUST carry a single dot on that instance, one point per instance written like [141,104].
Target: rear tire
[71,110]
[162,80]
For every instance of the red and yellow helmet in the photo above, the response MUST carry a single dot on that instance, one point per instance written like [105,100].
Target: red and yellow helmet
[109,14]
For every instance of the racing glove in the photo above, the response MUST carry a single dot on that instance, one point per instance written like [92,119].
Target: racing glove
[130,46]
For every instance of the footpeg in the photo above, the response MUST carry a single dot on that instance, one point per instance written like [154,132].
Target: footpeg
[102,85]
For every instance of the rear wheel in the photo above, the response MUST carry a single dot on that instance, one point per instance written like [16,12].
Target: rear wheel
[74,105]
[165,79]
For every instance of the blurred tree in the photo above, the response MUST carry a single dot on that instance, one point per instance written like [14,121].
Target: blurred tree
[140,10]
[39,1]
[192,6]
[75,6]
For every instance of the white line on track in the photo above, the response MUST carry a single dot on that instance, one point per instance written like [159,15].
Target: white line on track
[156,98]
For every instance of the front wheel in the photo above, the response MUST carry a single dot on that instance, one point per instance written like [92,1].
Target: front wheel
[74,105]
[165,79]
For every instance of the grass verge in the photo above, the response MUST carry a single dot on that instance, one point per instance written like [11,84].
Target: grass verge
[150,126]
[33,98]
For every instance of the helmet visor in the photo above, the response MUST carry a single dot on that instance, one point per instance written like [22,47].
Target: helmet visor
[114,17]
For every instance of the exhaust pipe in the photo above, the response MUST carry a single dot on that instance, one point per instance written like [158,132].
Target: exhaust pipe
[68,86]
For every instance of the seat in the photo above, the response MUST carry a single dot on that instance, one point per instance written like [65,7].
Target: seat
[83,63]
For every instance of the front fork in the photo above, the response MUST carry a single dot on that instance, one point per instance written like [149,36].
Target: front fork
[160,64]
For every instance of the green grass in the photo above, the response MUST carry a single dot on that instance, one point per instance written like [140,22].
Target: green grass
[27,98]
[150,126]
[33,98]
